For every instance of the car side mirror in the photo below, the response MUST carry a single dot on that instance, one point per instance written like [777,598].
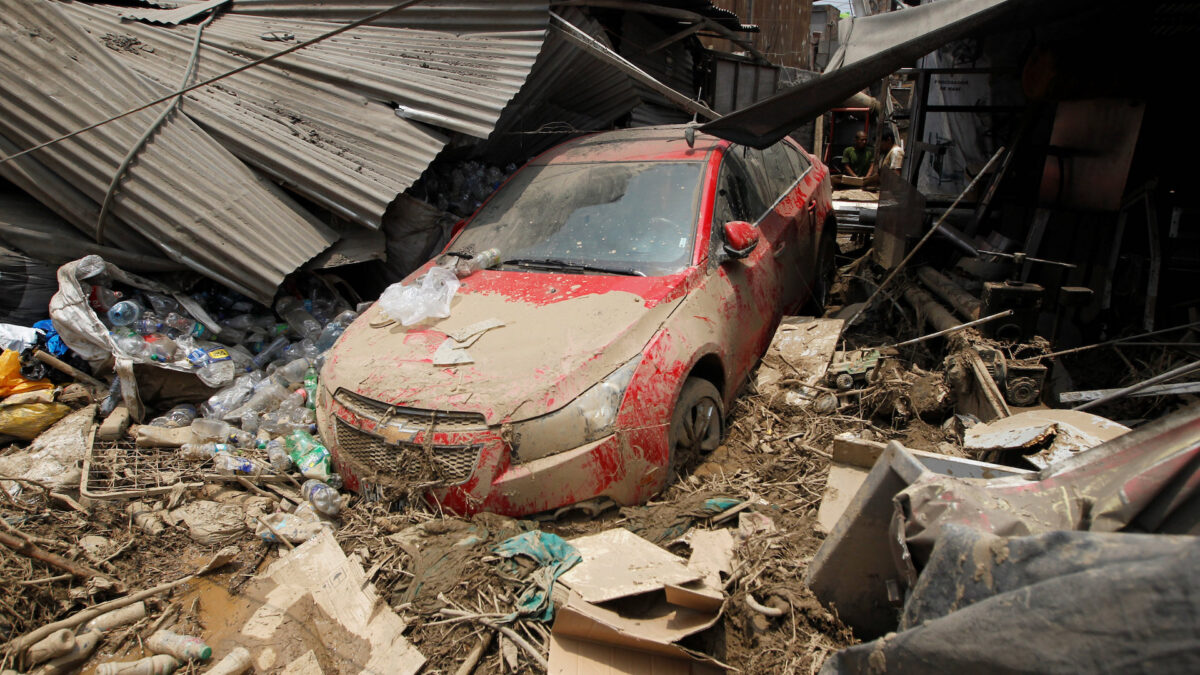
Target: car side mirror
[740,239]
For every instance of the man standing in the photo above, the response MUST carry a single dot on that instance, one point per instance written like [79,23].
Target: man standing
[893,156]
[859,159]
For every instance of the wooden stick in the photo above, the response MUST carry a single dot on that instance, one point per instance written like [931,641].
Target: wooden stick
[509,633]
[472,660]
[20,644]
[67,369]
[45,580]
[30,550]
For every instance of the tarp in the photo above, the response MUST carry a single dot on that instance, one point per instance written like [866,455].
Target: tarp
[1063,602]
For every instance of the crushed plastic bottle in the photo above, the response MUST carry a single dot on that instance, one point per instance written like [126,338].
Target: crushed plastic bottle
[221,432]
[175,418]
[102,298]
[277,455]
[310,387]
[124,312]
[186,326]
[293,372]
[199,452]
[214,366]
[291,309]
[270,351]
[162,304]
[129,342]
[182,647]
[486,260]
[323,498]
[160,348]
[232,397]
[305,348]
[229,465]
[267,395]
[334,329]
[308,454]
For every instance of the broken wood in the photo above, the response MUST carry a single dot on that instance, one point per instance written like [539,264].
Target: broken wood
[473,656]
[25,546]
[69,370]
[1144,384]
[21,643]
[114,426]
[509,633]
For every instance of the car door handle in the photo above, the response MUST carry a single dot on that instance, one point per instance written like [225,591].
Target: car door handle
[812,206]
[779,249]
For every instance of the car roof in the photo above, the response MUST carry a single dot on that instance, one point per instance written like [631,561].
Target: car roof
[661,143]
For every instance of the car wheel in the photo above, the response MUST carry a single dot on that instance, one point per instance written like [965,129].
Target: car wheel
[826,270]
[696,424]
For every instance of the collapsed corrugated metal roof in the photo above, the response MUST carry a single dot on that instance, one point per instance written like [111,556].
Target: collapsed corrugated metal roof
[346,153]
[185,192]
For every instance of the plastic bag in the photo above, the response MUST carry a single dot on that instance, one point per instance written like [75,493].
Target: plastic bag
[25,421]
[428,296]
[11,381]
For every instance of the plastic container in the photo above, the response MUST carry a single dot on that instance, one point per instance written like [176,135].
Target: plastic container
[310,387]
[160,664]
[116,618]
[221,432]
[186,326]
[180,416]
[291,309]
[323,498]
[199,452]
[182,647]
[124,313]
[235,663]
[228,465]
[485,260]
[277,455]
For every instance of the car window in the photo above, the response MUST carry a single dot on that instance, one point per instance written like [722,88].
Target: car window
[783,166]
[736,197]
[630,215]
[760,182]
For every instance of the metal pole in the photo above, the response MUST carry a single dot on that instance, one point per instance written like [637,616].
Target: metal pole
[1122,393]
[924,239]
[961,326]
[1074,350]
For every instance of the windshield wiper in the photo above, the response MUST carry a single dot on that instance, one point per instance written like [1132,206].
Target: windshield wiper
[551,264]
[459,254]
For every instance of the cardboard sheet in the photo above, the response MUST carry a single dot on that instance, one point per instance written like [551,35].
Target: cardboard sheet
[617,563]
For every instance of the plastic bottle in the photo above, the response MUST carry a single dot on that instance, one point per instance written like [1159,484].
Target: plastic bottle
[117,618]
[277,455]
[221,432]
[148,324]
[270,351]
[292,373]
[198,452]
[214,366]
[334,329]
[315,464]
[186,326]
[235,663]
[305,348]
[129,342]
[292,310]
[266,397]
[228,465]
[160,348]
[112,399]
[160,664]
[485,260]
[250,421]
[56,644]
[182,647]
[162,304]
[232,336]
[323,498]
[310,387]
[232,397]
[124,312]
[102,299]
[85,643]
[179,416]
[299,443]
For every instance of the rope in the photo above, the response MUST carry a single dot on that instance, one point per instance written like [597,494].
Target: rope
[141,142]
[266,59]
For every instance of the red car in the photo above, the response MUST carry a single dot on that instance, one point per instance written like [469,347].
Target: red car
[642,274]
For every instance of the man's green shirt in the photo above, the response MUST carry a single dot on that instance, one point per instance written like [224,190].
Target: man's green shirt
[859,160]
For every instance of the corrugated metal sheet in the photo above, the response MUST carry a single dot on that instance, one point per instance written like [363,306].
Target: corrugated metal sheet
[672,65]
[172,16]
[785,38]
[351,155]
[569,89]
[185,192]
[450,16]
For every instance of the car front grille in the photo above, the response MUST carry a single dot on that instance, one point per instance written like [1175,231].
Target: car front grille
[414,419]
[406,462]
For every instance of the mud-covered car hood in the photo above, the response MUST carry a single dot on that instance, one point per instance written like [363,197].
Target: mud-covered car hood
[561,335]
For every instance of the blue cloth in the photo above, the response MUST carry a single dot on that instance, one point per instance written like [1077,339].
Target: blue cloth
[54,343]
[553,556]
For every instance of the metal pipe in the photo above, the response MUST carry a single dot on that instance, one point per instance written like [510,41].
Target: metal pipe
[913,252]
[1139,336]
[952,329]
[969,306]
[1122,393]
[935,314]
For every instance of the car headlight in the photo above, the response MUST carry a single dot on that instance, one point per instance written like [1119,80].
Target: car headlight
[589,417]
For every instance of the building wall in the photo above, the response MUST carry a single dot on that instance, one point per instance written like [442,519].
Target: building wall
[784,29]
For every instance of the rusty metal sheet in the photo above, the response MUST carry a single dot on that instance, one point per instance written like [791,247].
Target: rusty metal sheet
[1048,436]
[185,193]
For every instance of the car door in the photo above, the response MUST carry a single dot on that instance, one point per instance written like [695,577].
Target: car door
[747,290]
[795,208]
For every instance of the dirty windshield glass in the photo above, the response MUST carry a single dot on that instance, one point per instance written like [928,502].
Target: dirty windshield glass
[623,217]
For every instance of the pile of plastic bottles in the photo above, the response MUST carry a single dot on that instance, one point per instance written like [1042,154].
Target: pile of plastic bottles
[460,188]
[264,363]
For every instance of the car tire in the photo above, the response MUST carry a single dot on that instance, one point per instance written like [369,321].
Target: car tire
[826,269]
[697,424]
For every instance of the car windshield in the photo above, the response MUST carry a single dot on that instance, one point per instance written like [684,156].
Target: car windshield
[619,217]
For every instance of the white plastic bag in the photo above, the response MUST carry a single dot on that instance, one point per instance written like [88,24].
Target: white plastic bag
[428,296]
